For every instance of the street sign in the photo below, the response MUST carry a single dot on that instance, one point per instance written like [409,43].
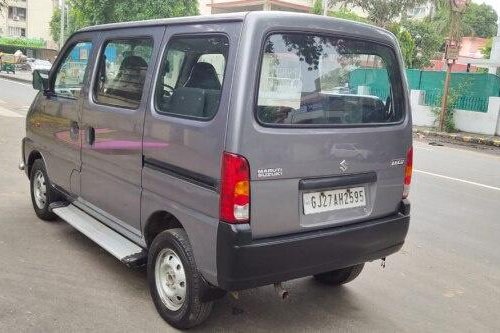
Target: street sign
[452,52]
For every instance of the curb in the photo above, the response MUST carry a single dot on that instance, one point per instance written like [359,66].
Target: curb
[14,78]
[467,138]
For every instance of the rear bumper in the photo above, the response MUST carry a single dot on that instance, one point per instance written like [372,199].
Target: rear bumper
[244,263]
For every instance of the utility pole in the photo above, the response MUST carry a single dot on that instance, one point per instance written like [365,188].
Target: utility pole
[457,8]
[325,7]
[61,33]
[67,19]
[446,87]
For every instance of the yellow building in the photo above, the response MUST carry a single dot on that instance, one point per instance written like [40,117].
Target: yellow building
[28,18]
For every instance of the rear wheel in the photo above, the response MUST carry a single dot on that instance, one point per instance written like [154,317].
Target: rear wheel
[174,281]
[340,276]
[42,193]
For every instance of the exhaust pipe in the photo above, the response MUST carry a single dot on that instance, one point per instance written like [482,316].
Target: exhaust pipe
[280,291]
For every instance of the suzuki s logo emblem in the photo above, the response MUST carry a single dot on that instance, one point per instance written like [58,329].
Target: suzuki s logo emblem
[343,166]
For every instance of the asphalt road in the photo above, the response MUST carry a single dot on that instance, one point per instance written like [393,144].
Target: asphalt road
[446,278]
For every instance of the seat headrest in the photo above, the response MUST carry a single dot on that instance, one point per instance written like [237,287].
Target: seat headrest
[203,76]
[133,62]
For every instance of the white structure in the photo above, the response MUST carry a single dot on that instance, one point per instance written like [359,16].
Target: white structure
[493,63]
[468,121]
[495,51]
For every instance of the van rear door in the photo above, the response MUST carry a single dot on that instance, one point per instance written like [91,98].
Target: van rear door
[329,135]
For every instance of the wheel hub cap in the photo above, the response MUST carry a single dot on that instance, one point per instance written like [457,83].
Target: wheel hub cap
[39,190]
[170,279]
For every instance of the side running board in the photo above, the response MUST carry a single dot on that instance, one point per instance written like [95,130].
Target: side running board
[120,247]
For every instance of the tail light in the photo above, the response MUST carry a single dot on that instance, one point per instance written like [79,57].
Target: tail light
[234,202]
[408,172]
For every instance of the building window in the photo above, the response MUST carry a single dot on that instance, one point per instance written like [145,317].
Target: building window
[17,13]
[16,31]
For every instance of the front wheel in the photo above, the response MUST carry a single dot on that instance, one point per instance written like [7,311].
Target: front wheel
[174,281]
[340,276]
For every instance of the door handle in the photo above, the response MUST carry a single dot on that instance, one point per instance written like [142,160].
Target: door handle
[90,136]
[74,130]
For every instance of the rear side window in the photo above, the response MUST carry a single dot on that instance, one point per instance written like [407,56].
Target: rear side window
[122,72]
[315,80]
[191,76]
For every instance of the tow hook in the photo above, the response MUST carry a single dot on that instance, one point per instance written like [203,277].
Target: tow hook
[383,262]
[280,291]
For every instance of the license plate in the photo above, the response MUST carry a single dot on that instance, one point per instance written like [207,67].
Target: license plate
[324,201]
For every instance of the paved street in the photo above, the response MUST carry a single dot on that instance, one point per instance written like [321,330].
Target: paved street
[446,278]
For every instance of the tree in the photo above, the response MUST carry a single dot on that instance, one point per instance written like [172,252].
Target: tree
[477,20]
[406,43]
[428,42]
[317,7]
[486,50]
[347,14]
[384,12]
[480,21]
[83,13]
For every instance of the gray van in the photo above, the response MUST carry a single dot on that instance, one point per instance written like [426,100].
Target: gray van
[226,152]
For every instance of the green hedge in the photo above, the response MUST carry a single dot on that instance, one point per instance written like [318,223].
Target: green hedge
[22,42]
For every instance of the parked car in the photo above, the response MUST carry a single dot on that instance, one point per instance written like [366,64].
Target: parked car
[167,147]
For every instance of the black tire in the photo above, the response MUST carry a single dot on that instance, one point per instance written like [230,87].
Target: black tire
[51,195]
[340,276]
[193,311]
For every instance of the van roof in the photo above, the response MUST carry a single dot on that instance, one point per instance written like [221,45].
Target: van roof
[170,21]
[230,17]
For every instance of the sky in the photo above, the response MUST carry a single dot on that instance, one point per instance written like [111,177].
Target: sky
[493,3]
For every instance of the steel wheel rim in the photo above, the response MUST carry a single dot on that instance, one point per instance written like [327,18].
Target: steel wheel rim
[40,189]
[170,278]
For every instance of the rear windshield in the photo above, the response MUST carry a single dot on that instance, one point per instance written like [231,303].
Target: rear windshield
[315,80]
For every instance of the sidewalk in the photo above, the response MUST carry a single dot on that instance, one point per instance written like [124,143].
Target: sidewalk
[20,76]
[459,136]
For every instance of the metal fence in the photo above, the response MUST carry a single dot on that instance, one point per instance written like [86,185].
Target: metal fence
[473,89]
[470,103]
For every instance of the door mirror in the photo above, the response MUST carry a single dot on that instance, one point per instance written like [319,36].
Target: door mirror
[40,79]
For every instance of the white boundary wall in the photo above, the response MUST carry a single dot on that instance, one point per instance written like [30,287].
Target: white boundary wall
[468,121]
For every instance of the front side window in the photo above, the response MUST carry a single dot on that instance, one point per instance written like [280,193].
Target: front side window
[122,72]
[70,75]
[191,76]
[316,80]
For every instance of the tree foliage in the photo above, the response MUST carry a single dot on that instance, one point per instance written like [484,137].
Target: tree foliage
[54,25]
[384,12]
[428,42]
[486,49]
[406,43]
[480,21]
[83,13]
[347,14]
[317,7]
